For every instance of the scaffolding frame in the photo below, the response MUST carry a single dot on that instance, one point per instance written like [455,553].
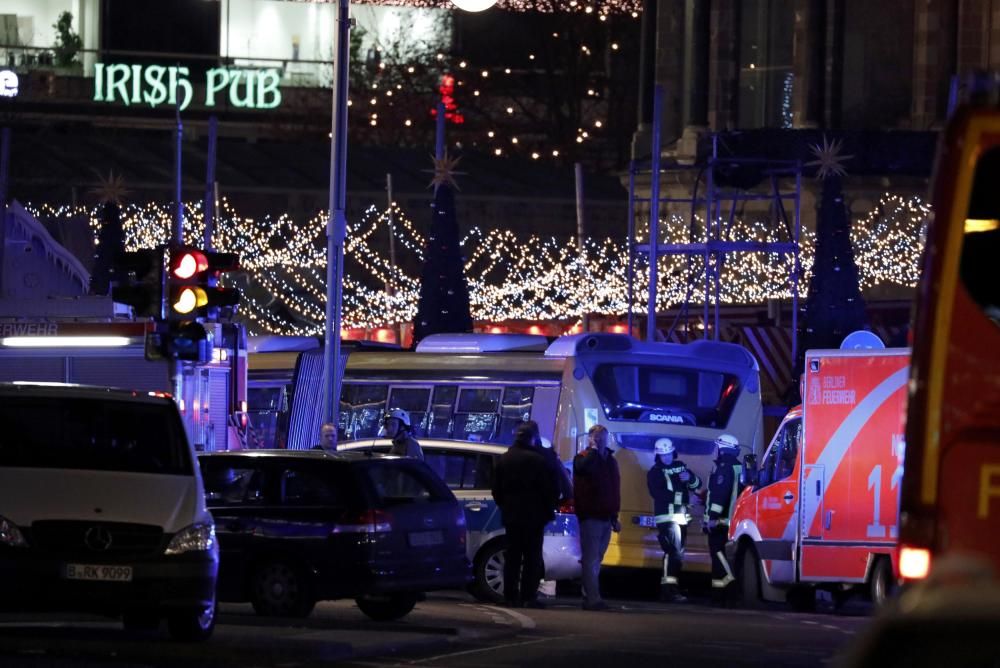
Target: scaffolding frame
[717,242]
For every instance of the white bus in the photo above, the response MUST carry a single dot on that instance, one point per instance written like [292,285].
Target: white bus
[477,387]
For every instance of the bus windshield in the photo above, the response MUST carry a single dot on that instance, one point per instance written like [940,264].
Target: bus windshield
[669,395]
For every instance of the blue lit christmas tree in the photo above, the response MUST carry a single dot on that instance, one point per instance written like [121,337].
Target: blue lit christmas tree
[834,306]
[443,305]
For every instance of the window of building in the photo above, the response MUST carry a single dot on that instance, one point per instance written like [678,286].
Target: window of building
[766,77]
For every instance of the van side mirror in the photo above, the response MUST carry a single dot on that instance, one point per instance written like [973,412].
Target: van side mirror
[749,476]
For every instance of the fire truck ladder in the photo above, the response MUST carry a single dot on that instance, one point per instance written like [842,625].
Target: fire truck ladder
[780,186]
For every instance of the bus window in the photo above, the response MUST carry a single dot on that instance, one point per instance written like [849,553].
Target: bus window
[267,408]
[981,242]
[647,393]
[516,408]
[477,413]
[413,400]
[361,407]
[439,422]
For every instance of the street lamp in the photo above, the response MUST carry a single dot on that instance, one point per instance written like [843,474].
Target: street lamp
[473,5]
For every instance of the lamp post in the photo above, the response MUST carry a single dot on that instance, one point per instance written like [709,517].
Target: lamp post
[473,5]
[336,230]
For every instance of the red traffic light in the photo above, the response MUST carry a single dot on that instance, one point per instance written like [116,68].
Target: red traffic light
[187,263]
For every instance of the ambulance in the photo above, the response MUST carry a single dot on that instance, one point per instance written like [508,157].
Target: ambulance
[821,509]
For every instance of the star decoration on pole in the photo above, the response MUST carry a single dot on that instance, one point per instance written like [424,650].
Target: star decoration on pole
[111,189]
[444,172]
[828,160]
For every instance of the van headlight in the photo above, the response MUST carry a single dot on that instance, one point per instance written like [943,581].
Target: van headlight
[195,538]
[10,535]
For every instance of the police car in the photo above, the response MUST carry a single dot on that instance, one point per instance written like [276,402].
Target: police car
[467,468]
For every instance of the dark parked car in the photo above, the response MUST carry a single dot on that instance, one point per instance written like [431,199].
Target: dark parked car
[297,527]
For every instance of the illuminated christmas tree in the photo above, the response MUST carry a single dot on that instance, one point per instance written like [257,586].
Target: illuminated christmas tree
[111,236]
[444,292]
[834,306]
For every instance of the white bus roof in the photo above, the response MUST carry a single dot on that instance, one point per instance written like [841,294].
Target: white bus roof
[718,351]
[482,343]
[276,344]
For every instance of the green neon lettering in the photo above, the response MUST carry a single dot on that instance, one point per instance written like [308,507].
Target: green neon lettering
[268,93]
[99,82]
[178,79]
[234,85]
[136,84]
[215,80]
[118,84]
[157,91]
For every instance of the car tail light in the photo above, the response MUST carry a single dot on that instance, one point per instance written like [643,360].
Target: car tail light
[366,521]
[566,507]
[914,562]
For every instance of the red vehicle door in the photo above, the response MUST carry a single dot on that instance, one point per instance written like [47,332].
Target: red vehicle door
[777,492]
[854,407]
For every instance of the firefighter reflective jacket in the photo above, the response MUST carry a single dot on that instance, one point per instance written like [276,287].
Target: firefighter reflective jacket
[671,496]
[723,488]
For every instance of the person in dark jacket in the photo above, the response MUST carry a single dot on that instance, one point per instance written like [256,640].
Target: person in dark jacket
[597,500]
[723,488]
[525,491]
[565,486]
[670,483]
[563,482]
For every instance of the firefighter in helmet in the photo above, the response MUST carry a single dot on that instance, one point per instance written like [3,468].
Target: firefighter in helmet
[396,426]
[670,483]
[723,488]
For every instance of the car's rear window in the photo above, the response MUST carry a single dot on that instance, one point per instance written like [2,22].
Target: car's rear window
[400,481]
[92,434]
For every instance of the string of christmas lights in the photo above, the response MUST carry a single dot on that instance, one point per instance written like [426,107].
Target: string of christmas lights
[604,7]
[283,265]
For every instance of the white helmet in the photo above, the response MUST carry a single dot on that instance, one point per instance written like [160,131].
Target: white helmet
[727,441]
[400,415]
[663,446]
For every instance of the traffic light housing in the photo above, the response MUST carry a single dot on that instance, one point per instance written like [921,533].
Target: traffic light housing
[193,289]
[188,341]
[139,281]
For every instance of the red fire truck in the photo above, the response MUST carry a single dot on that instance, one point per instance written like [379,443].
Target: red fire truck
[821,509]
[950,505]
[91,341]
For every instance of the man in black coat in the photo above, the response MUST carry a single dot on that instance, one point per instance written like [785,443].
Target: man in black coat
[525,491]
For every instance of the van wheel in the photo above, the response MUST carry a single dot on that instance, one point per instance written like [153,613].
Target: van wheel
[192,625]
[750,579]
[279,589]
[386,608]
[881,584]
[488,572]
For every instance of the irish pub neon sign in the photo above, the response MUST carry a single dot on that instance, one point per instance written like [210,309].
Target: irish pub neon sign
[156,85]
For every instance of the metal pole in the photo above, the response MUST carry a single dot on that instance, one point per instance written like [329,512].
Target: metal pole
[630,270]
[795,264]
[709,217]
[176,366]
[654,215]
[336,231]
[390,287]
[178,232]
[209,206]
[439,132]
[578,172]
[4,180]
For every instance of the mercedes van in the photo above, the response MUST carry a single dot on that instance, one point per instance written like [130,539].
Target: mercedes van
[102,508]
